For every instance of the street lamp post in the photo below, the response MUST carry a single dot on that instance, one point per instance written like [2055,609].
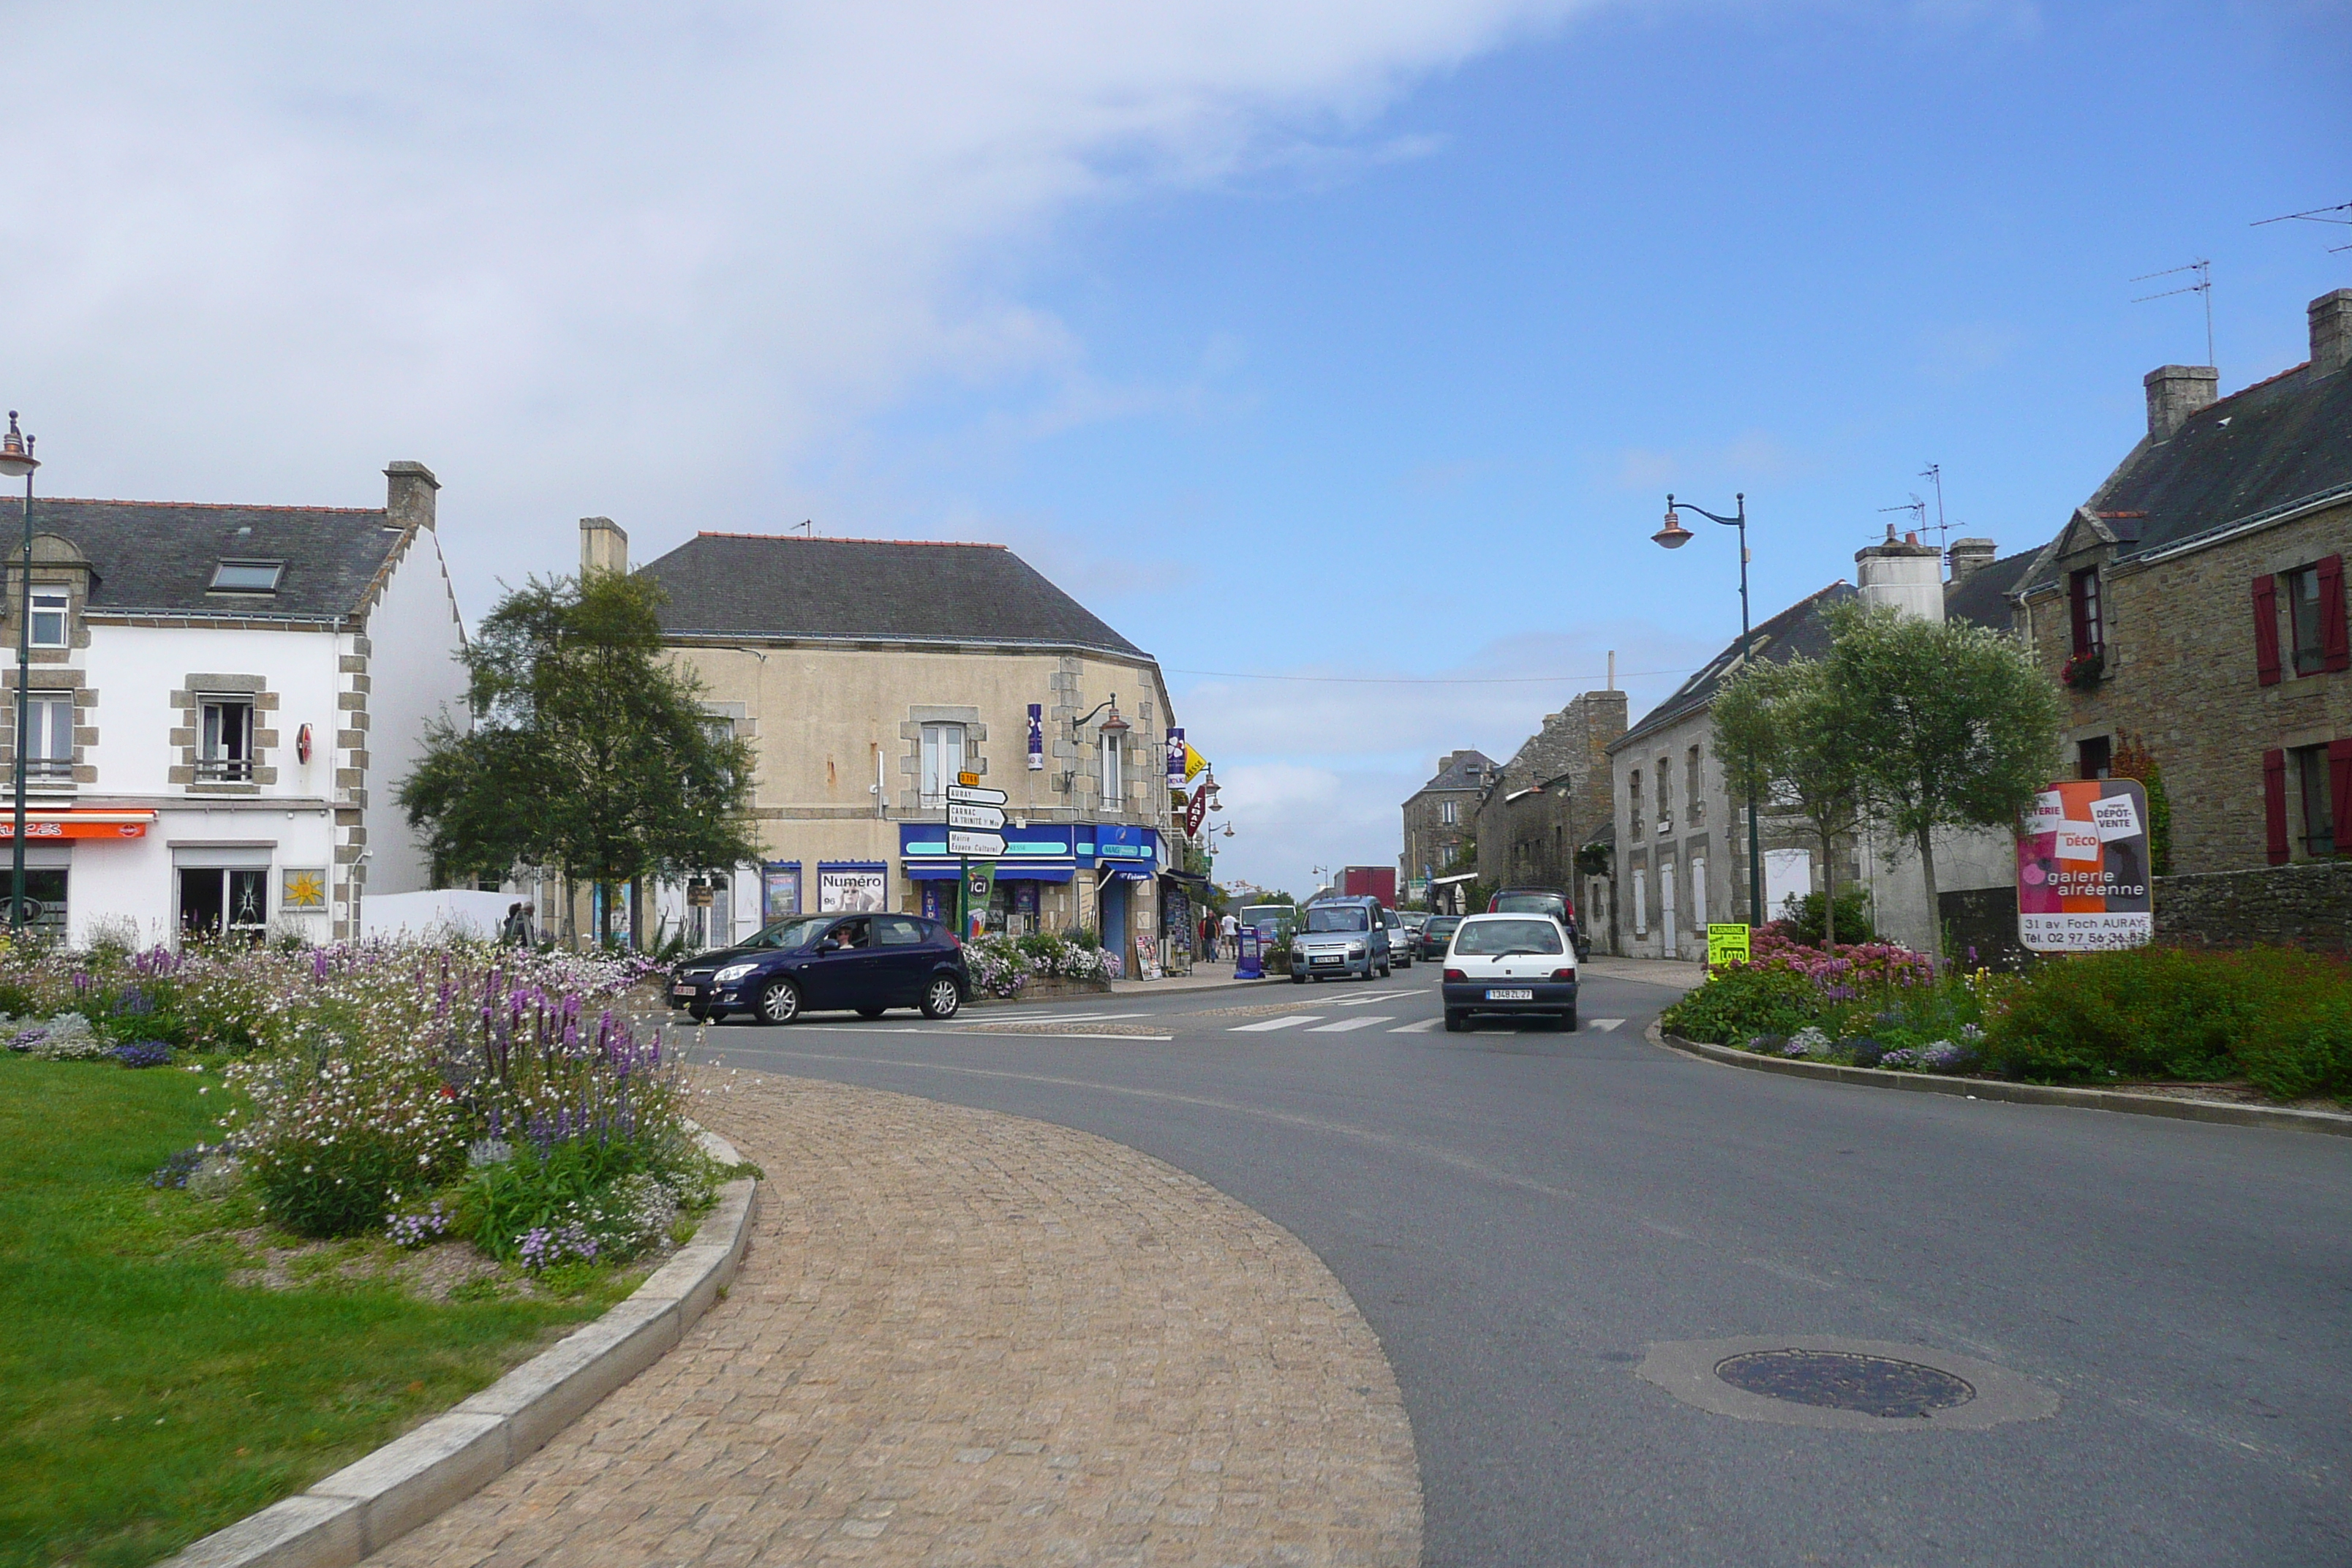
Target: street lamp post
[1674,536]
[16,459]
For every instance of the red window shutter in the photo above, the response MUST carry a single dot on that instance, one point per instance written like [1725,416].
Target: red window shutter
[2266,643]
[2331,639]
[2339,792]
[2274,803]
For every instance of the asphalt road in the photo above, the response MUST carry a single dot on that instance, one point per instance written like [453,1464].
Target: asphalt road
[1519,1214]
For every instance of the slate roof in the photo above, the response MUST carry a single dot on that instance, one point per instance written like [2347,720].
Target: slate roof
[1984,597]
[2261,449]
[1456,773]
[870,590]
[159,556]
[1797,630]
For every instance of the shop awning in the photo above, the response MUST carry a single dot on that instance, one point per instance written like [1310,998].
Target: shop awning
[71,823]
[1028,868]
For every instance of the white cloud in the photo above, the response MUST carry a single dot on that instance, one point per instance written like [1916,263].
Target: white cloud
[597,259]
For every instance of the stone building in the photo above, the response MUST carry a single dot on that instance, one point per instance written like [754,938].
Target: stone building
[866,674]
[2197,605]
[1440,820]
[1542,804]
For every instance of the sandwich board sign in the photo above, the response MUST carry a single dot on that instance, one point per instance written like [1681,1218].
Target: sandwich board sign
[2082,867]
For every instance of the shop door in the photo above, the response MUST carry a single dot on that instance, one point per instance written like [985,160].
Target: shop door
[1114,919]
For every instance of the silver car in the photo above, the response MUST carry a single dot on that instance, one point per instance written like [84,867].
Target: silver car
[1401,938]
[1340,937]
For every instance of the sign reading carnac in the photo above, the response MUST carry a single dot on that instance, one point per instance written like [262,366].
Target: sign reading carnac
[2082,867]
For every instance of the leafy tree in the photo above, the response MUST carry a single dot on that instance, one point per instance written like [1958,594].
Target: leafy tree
[589,753]
[1785,734]
[1951,725]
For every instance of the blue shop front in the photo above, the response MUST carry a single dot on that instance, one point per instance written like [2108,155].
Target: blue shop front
[1034,881]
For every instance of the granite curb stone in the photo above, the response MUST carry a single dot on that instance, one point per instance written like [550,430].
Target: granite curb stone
[381,1497]
[2115,1099]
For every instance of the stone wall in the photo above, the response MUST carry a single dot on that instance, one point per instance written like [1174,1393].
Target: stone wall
[2302,905]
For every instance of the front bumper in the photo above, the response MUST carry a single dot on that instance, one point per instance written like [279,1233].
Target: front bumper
[1544,997]
[1335,961]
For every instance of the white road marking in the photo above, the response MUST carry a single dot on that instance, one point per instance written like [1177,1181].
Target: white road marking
[1263,1025]
[1604,1024]
[1043,1016]
[1416,1028]
[1360,1001]
[1359,1022]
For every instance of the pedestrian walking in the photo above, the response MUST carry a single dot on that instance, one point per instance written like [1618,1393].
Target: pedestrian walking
[1231,929]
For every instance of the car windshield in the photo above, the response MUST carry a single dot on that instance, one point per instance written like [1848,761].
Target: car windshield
[1530,904]
[798,931]
[1266,916]
[1493,939]
[1325,918]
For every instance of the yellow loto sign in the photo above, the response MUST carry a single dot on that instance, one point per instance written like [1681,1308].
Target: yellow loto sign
[1726,944]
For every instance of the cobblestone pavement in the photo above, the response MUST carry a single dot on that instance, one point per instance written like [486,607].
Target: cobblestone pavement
[967,1338]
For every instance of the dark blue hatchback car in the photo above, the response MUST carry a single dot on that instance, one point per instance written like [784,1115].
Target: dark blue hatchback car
[862,963]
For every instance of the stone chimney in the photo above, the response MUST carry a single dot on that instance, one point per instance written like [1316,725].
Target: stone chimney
[1969,557]
[2174,393]
[2331,332]
[1903,573]
[408,492]
[602,546]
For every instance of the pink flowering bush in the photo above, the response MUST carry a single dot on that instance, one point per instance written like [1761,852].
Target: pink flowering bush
[1785,989]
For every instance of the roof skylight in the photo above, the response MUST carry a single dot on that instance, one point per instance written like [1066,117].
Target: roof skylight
[247,576]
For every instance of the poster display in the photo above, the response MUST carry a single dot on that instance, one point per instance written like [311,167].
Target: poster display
[2082,867]
[851,891]
[780,891]
[1176,756]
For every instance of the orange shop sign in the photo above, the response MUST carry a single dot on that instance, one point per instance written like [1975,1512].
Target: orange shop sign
[77,825]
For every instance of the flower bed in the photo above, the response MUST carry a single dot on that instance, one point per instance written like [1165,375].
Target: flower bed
[2278,1019]
[1003,965]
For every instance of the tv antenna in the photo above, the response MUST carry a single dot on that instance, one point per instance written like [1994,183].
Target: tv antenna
[808,528]
[1918,511]
[1934,473]
[2316,215]
[2204,285]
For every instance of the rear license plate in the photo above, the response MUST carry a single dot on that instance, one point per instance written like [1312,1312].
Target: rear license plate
[1510,995]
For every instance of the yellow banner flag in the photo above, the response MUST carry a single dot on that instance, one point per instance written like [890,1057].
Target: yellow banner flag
[1193,762]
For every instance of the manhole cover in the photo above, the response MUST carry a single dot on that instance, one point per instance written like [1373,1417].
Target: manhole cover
[1837,1380]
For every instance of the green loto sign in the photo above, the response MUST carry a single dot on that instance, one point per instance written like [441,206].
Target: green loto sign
[1726,944]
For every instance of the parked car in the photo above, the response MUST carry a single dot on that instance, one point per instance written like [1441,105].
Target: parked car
[1513,965]
[1400,943]
[1551,901]
[1435,932]
[864,964]
[1339,936]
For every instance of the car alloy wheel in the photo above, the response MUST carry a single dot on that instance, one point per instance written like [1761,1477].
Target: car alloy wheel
[780,1001]
[941,997]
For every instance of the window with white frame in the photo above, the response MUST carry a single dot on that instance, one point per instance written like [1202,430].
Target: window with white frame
[224,746]
[49,618]
[942,761]
[1450,812]
[1114,770]
[48,738]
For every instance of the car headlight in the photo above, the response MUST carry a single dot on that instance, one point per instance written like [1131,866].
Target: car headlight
[1355,949]
[732,973]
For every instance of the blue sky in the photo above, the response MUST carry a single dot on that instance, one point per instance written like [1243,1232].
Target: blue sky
[1296,338]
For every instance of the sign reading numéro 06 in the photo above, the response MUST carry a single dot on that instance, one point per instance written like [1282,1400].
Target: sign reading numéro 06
[2082,867]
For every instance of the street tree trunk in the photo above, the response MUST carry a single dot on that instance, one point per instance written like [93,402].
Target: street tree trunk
[1935,907]
[1829,892]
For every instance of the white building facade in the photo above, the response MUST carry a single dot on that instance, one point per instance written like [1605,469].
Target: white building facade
[220,703]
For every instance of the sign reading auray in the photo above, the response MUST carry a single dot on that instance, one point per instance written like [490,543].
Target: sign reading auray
[2082,867]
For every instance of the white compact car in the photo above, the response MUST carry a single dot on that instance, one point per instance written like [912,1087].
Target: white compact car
[1510,967]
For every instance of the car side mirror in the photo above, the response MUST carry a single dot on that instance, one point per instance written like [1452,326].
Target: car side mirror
[829,945]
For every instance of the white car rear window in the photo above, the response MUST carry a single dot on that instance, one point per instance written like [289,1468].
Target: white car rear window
[1492,939]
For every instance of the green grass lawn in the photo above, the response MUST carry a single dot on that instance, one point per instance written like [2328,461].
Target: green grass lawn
[144,1400]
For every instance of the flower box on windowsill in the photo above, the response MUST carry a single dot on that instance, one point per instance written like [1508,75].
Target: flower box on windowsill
[2085,670]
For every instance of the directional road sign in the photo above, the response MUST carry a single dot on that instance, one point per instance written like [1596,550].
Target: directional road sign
[970,797]
[990,844]
[986,817]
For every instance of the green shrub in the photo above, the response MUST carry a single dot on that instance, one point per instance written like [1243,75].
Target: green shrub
[2281,1016]
[1801,918]
[1740,1003]
[338,1186]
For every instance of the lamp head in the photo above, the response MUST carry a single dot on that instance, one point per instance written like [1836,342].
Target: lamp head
[16,458]
[1674,536]
[1114,725]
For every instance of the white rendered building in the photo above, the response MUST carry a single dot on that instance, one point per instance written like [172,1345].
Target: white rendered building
[222,701]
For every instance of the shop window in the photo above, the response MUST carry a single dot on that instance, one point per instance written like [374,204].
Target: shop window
[49,620]
[217,902]
[45,900]
[225,748]
[48,739]
[2093,757]
[942,761]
